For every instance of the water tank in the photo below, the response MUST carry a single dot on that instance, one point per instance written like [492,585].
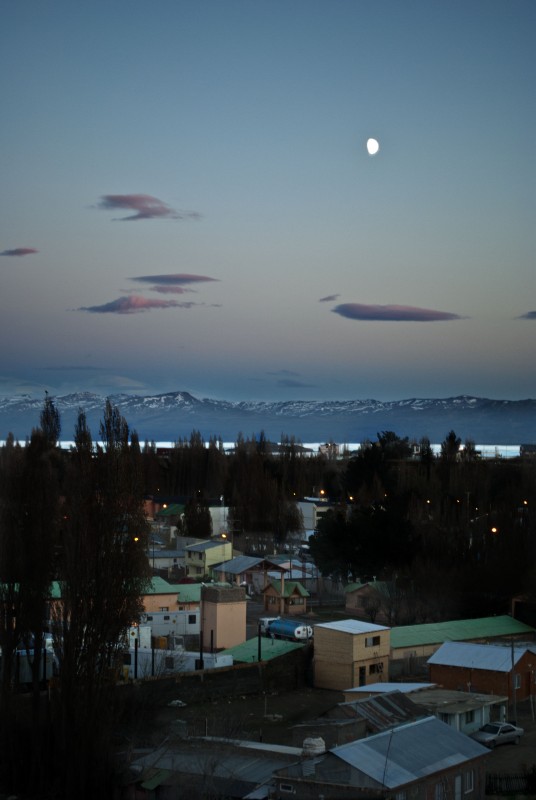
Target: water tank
[313,746]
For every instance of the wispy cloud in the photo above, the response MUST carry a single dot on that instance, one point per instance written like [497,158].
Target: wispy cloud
[288,383]
[394,313]
[145,207]
[177,279]
[134,304]
[19,251]
[528,315]
[330,298]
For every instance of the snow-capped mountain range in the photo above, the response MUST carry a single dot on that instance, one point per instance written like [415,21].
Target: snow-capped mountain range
[174,415]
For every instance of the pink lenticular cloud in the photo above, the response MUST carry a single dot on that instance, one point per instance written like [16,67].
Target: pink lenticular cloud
[19,251]
[134,304]
[178,279]
[394,313]
[145,207]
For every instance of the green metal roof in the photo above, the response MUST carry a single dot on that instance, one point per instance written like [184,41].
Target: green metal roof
[457,631]
[289,588]
[378,585]
[189,592]
[158,585]
[248,652]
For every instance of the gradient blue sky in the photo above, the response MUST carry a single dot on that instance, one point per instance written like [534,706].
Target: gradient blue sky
[187,202]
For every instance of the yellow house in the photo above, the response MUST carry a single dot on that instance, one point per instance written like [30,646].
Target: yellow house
[200,557]
[350,653]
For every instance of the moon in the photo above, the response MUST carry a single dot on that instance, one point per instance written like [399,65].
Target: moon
[372,146]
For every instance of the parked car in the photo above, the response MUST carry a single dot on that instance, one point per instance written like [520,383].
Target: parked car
[495,733]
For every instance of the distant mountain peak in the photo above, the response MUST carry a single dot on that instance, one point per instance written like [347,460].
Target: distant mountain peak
[174,415]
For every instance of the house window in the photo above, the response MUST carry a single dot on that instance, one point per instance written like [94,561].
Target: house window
[517,680]
[444,717]
[191,619]
[372,641]
[149,617]
[166,616]
[164,608]
[469,781]
[469,717]
[198,570]
[440,792]
[287,787]
[376,669]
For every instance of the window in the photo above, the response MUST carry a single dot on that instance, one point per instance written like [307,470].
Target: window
[376,669]
[149,617]
[469,781]
[440,792]
[191,619]
[468,717]
[287,787]
[164,608]
[517,680]
[166,616]
[372,641]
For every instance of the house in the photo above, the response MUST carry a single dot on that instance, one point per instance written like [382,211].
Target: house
[464,711]
[223,616]
[350,653]
[503,670]
[423,758]
[201,557]
[368,600]
[249,571]
[285,598]
[412,645]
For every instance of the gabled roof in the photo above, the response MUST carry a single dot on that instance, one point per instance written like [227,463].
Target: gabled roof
[492,657]
[289,588]
[158,585]
[380,712]
[458,630]
[380,586]
[240,564]
[410,752]
[352,626]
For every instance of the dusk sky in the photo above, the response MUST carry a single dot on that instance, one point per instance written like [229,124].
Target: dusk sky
[187,201]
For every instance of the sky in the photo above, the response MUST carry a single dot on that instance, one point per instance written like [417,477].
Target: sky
[187,202]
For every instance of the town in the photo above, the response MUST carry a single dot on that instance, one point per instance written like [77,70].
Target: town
[264,623]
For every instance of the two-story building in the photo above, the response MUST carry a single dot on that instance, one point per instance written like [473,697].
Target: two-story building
[201,557]
[350,653]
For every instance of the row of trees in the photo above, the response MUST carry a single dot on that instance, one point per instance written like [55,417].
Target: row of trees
[74,521]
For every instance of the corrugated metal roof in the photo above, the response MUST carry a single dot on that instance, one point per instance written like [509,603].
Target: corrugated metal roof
[160,586]
[239,564]
[381,711]
[352,626]
[457,630]
[410,752]
[493,657]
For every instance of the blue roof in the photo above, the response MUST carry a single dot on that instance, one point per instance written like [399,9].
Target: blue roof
[410,752]
[492,657]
